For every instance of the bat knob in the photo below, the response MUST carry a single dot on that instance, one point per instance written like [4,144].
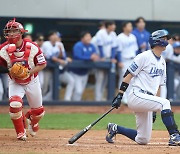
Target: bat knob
[70,142]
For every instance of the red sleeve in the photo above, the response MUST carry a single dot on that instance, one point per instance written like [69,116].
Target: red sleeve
[39,59]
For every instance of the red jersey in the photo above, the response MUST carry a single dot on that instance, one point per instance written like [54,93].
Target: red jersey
[29,55]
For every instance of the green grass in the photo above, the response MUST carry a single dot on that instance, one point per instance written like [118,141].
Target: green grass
[79,121]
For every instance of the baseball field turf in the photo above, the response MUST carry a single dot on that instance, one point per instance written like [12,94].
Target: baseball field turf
[80,120]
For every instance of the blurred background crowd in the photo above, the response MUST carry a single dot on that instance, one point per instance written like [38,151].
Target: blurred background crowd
[111,43]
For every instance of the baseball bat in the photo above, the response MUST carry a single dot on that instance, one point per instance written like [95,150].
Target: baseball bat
[86,129]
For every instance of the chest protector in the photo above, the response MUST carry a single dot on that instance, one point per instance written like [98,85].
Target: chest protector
[26,58]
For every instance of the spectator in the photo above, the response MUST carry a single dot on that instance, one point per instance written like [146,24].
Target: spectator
[142,35]
[39,40]
[176,37]
[94,39]
[53,52]
[28,36]
[106,42]
[65,76]
[127,48]
[176,47]
[82,50]
[169,54]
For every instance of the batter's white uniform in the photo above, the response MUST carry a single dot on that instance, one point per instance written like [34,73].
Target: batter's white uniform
[149,73]
[107,41]
[127,45]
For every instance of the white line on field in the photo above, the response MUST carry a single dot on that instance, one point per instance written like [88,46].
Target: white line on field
[153,145]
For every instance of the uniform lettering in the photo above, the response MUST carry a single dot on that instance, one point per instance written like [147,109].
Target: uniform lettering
[154,72]
[41,58]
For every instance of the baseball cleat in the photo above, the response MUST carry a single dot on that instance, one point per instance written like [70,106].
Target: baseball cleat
[112,131]
[174,140]
[22,136]
[30,130]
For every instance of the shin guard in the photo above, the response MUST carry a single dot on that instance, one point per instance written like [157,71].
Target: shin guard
[16,115]
[34,115]
[168,120]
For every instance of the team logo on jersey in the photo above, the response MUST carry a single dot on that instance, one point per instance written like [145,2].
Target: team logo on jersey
[133,67]
[41,58]
[154,72]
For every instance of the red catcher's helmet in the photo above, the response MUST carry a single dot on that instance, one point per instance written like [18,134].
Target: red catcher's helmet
[13,30]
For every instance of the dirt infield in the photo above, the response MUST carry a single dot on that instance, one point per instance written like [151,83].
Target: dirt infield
[55,141]
[81,109]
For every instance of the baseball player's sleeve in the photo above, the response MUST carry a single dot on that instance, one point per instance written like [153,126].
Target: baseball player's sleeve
[137,65]
[113,53]
[163,80]
[39,59]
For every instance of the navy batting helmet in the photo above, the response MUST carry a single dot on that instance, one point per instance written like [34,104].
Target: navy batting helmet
[156,38]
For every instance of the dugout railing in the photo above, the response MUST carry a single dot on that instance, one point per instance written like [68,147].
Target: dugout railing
[110,87]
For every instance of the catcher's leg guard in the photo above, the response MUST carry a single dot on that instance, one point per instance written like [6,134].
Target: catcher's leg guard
[17,117]
[33,117]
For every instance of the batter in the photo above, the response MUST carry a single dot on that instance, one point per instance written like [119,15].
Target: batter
[148,72]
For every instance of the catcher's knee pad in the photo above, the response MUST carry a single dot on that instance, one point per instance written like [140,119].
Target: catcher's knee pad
[15,110]
[16,114]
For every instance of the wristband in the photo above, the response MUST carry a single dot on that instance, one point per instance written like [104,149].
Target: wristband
[124,86]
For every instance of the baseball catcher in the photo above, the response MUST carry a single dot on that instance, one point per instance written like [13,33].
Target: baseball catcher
[22,60]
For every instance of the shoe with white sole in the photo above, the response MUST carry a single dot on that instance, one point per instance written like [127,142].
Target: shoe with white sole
[30,129]
[174,140]
[112,131]
[22,136]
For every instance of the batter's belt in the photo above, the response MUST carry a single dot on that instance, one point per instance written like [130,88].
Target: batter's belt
[145,92]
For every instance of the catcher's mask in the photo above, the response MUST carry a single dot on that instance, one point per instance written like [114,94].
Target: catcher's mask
[13,31]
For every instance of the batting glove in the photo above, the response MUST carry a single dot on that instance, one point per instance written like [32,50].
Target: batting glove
[117,100]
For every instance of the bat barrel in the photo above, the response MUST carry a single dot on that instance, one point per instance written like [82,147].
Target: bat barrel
[82,132]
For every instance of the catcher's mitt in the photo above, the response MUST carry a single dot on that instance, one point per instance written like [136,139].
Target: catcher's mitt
[18,71]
